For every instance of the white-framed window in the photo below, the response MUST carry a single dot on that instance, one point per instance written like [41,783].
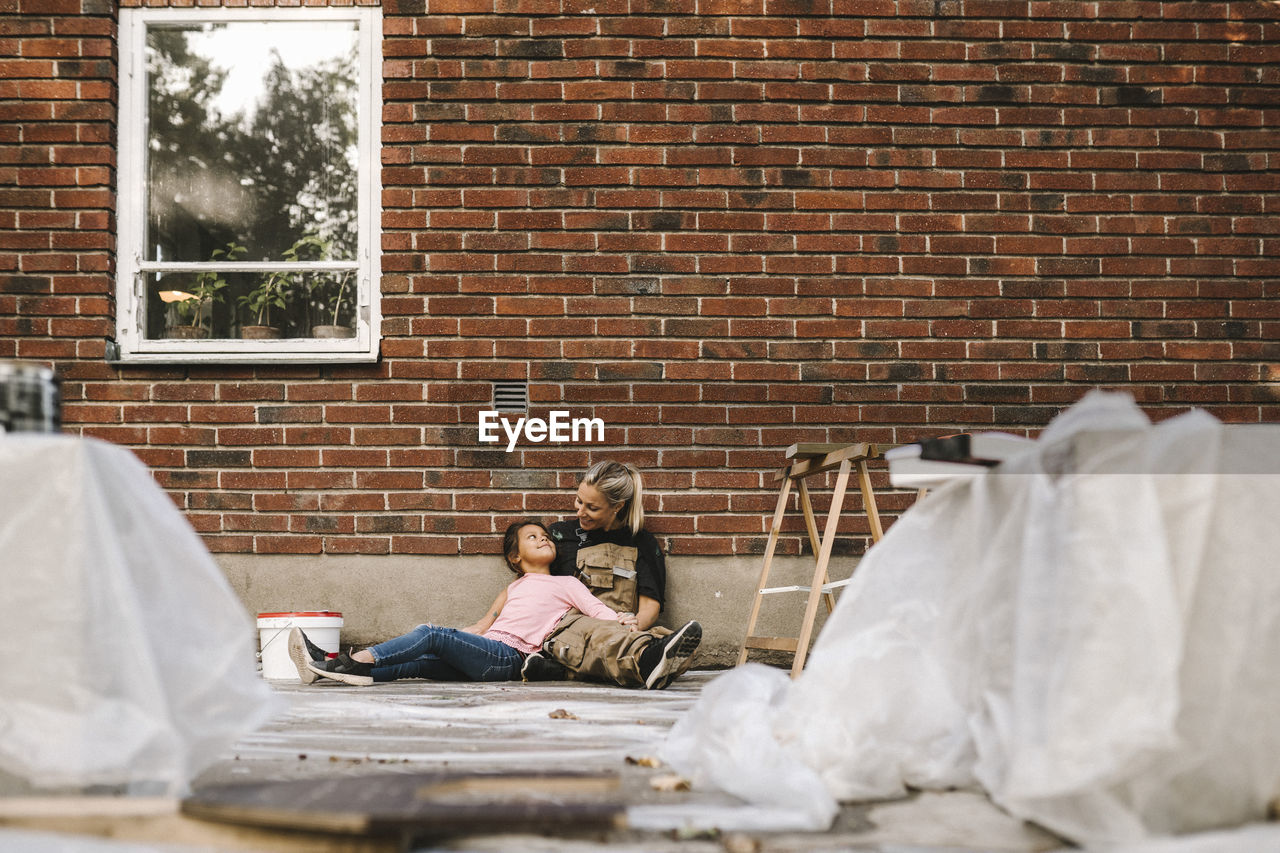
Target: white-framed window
[249,192]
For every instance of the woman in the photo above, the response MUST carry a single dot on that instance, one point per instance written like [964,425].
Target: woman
[608,549]
[492,650]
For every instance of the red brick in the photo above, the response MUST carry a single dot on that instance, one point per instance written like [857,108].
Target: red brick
[444,545]
[292,544]
[357,545]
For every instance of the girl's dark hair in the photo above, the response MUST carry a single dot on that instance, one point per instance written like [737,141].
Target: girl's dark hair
[511,541]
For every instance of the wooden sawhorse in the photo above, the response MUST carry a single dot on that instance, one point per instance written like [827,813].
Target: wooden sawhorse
[807,460]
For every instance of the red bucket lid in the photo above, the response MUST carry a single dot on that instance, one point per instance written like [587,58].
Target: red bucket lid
[299,613]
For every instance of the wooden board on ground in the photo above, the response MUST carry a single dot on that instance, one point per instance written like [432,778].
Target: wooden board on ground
[156,821]
[419,805]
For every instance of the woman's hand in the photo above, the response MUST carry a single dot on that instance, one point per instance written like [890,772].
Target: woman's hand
[630,620]
[647,613]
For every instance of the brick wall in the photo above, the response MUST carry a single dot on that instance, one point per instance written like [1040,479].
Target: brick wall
[722,227]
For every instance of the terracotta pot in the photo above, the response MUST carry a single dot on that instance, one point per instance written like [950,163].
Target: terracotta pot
[332,332]
[259,332]
[186,332]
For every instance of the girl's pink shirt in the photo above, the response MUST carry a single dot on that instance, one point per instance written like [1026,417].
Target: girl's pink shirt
[535,603]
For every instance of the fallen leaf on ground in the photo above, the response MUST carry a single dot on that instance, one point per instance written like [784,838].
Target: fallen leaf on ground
[669,783]
[738,843]
[644,761]
[562,714]
[697,833]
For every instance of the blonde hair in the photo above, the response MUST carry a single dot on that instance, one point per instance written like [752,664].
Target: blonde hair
[620,483]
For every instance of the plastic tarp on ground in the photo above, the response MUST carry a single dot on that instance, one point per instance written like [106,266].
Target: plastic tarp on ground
[1091,632]
[131,659]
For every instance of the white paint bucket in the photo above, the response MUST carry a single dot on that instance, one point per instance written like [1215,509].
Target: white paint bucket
[321,626]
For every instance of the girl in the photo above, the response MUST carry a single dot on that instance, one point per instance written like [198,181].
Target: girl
[533,606]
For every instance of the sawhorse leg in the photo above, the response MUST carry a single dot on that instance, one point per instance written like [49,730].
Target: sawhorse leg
[820,570]
[775,530]
[869,501]
[814,542]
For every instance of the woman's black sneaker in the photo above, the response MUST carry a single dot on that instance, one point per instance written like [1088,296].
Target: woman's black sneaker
[542,667]
[665,660]
[344,669]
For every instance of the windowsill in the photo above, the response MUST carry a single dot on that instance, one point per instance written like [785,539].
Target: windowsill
[273,352]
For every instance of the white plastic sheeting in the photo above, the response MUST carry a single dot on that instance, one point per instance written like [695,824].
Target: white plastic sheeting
[1091,632]
[131,659]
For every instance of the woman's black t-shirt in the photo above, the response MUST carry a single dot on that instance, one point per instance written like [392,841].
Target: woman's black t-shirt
[651,567]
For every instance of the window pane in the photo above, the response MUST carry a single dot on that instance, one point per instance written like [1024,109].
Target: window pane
[223,304]
[252,140]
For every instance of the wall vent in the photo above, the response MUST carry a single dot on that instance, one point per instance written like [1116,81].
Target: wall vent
[511,396]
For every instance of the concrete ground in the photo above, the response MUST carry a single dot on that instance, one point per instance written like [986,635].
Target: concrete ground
[333,734]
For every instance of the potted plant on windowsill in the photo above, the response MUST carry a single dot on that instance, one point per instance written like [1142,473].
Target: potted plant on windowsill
[332,299]
[329,299]
[183,316]
[191,308]
[272,291]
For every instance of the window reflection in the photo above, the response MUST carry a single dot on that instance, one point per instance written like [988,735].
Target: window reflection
[251,140]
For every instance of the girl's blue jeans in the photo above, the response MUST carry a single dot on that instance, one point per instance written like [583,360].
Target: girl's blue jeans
[445,654]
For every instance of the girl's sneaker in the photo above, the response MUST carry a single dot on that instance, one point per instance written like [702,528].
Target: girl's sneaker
[302,656]
[316,653]
[344,669]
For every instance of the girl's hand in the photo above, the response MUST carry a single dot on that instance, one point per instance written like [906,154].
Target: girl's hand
[630,620]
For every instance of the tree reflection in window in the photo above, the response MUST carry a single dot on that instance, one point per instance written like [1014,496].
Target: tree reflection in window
[252,140]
